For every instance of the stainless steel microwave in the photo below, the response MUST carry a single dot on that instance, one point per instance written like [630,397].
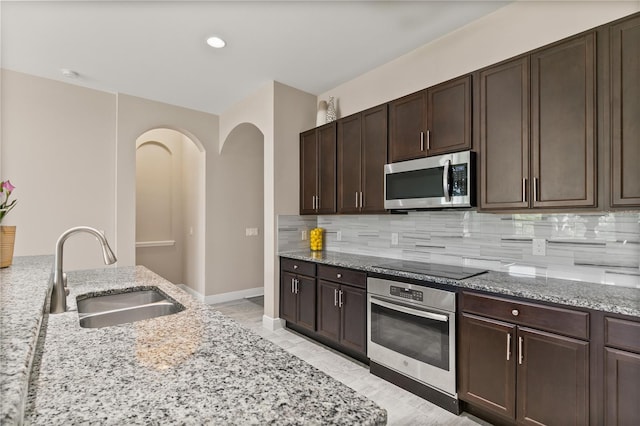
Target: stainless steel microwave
[441,181]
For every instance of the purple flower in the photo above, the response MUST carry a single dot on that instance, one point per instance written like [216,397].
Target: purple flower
[6,185]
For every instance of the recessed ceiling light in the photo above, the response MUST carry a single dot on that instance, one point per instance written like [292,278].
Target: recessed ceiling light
[216,42]
[69,73]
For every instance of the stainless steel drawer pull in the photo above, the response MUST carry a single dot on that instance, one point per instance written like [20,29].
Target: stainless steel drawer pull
[520,356]
[338,275]
[515,312]
[292,285]
[297,286]
[428,140]
[295,266]
[340,303]
[356,199]
[421,141]
[508,346]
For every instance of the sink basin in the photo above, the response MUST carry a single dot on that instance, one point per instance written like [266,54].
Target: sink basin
[109,308]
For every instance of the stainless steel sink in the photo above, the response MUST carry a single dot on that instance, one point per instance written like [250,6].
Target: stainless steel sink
[108,308]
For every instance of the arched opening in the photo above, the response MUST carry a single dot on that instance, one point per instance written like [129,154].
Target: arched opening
[241,214]
[170,206]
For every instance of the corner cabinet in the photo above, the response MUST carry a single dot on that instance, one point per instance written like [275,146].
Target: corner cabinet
[524,362]
[538,129]
[625,113]
[430,122]
[362,154]
[298,293]
[318,170]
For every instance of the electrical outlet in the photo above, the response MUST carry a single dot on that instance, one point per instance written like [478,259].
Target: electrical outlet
[394,238]
[305,235]
[339,236]
[539,246]
[251,232]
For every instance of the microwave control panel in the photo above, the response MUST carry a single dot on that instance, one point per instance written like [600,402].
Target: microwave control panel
[459,179]
[406,293]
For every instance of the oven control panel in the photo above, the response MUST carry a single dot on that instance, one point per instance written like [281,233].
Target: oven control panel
[406,293]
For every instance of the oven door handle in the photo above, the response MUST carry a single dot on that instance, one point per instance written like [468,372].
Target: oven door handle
[408,310]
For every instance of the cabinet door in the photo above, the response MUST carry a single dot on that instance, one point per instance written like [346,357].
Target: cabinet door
[563,124]
[306,309]
[449,116]
[308,171]
[625,113]
[504,135]
[487,364]
[349,164]
[374,157]
[353,318]
[288,299]
[622,387]
[553,379]
[407,124]
[328,310]
[326,202]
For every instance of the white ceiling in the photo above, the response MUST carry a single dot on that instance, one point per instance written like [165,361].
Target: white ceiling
[157,50]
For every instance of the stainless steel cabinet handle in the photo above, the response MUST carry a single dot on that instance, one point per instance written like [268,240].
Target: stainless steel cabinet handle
[335,297]
[445,181]
[520,356]
[292,285]
[356,199]
[515,312]
[524,190]
[421,141]
[508,346]
[338,275]
[428,140]
[297,286]
[340,302]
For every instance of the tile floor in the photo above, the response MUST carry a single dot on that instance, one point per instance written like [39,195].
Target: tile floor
[403,408]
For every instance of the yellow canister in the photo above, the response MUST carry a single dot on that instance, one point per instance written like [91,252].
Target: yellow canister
[316,237]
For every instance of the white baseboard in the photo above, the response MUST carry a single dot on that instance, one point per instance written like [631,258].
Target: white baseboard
[234,295]
[272,324]
[192,292]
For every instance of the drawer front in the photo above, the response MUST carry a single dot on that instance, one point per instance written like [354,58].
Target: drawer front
[548,318]
[298,267]
[341,275]
[622,334]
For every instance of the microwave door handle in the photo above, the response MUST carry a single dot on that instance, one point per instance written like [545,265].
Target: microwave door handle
[445,181]
[409,311]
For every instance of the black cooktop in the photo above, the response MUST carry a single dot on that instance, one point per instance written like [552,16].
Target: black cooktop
[433,269]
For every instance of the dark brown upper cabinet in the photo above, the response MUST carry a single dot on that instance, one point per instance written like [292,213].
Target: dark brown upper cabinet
[504,135]
[362,154]
[449,116]
[538,130]
[625,113]
[318,170]
[563,125]
[430,122]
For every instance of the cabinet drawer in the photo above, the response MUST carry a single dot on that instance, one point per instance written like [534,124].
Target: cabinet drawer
[622,334]
[557,320]
[341,275]
[298,266]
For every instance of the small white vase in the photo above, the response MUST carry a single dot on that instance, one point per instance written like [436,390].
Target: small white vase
[321,118]
[331,110]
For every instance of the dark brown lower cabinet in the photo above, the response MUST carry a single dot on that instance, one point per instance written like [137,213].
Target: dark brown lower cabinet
[298,299]
[523,375]
[622,387]
[342,313]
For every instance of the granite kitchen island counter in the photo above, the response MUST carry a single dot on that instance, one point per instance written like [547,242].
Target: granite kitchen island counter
[193,367]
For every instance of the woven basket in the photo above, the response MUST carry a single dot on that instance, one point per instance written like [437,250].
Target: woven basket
[7,241]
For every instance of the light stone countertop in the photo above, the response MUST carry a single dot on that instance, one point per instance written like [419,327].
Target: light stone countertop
[599,297]
[193,367]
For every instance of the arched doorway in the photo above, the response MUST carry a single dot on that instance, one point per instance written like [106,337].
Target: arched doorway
[170,206]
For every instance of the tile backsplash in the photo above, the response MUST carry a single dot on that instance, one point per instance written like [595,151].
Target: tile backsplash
[603,248]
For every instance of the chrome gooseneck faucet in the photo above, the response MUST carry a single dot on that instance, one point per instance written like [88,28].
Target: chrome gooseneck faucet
[60,291]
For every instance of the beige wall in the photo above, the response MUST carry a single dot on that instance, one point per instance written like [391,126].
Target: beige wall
[58,148]
[514,29]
